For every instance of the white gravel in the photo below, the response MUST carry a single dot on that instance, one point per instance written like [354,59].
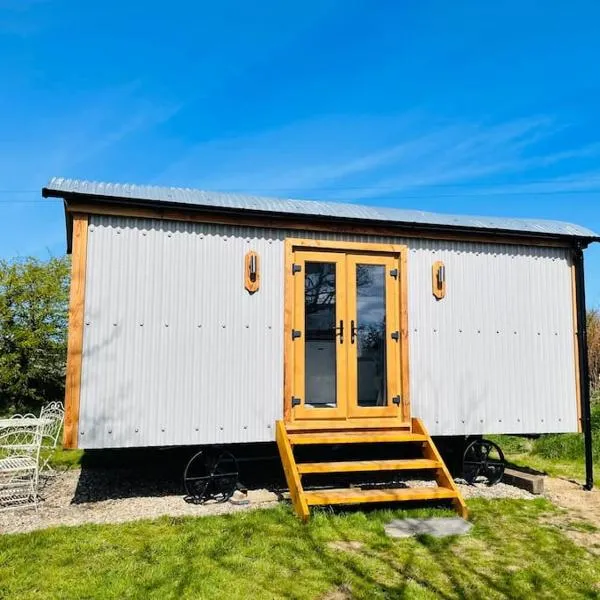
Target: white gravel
[64,503]
[98,496]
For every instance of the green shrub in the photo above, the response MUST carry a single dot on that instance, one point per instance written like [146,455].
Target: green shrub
[569,446]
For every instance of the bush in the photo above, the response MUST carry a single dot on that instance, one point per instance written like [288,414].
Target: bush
[569,446]
[593,335]
[33,332]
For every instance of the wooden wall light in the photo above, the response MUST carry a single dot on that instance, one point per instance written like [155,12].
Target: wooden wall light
[438,279]
[251,272]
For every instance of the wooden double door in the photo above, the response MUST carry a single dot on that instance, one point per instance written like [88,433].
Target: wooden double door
[347,335]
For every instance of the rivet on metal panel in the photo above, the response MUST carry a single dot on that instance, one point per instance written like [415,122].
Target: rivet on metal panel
[247,326]
[114,324]
[515,332]
[460,331]
[168,235]
[223,326]
[137,429]
[518,420]
[221,428]
[197,429]
[166,324]
[268,426]
[270,327]
[87,322]
[245,426]
[497,331]
[479,331]
[144,233]
[162,429]
[201,237]
[199,325]
[481,420]
[110,431]
[118,231]
[91,228]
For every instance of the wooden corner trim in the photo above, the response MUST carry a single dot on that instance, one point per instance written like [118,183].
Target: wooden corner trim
[75,332]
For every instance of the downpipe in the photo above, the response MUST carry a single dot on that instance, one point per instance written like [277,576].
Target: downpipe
[584,375]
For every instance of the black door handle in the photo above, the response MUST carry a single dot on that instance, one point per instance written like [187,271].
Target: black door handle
[353,332]
[341,331]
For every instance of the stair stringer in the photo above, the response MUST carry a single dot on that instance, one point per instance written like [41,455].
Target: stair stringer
[442,475]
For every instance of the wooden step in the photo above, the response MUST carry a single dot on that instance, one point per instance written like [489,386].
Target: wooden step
[358,496]
[354,437]
[368,465]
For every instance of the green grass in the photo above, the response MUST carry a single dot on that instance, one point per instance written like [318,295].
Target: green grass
[512,552]
[62,459]
[558,455]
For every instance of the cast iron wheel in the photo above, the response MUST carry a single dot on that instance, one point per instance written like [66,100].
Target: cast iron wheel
[211,474]
[483,459]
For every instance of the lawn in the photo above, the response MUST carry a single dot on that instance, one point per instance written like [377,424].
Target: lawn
[515,550]
[558,455]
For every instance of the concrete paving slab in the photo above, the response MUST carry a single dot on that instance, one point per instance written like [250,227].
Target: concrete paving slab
[436,527]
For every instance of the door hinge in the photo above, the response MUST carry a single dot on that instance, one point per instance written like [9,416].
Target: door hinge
[296,268]
[296,401]
[394,273]
[396,400]
[395,335]
[296,333]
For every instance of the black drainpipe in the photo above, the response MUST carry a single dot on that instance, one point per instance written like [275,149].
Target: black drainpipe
[584,375]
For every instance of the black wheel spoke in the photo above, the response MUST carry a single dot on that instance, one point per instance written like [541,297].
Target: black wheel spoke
[479,460]
[210,475]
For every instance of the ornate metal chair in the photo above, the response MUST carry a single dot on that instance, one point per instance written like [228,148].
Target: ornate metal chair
[19,467]
[51,421]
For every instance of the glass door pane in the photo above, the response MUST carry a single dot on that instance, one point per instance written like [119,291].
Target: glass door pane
[321,331]
[369,330]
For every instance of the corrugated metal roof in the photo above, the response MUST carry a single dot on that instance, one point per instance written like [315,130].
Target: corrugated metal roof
[59,186]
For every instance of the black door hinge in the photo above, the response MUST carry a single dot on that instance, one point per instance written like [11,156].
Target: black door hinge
[394,273]
[296,268]
[396,400]
[296,401]
[395,335]
[296,333]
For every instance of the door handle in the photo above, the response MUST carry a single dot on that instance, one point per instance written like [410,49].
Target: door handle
[341,331]
[353,332]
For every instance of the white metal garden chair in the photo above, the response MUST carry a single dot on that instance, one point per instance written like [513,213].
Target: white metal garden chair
[52,417]
[19,467]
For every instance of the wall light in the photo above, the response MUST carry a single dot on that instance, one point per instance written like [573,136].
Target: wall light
[438,279]
[251,272]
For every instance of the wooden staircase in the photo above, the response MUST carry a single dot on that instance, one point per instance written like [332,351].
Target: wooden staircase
[430,461]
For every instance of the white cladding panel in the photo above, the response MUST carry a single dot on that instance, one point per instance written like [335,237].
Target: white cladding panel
[177,352]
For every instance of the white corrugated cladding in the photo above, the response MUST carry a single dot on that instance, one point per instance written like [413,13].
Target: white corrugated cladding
[177,352]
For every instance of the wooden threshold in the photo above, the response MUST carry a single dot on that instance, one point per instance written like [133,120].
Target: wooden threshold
[412,464]
[354,437]
[346,424]
[358,496]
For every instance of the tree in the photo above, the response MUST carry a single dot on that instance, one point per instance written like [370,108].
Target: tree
[33,332]
[593,335]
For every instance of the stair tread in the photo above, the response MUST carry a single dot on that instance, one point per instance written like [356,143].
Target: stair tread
[367,465]
[354,437]
[358,496]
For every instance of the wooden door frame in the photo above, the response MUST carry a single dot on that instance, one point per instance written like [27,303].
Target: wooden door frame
[290,246]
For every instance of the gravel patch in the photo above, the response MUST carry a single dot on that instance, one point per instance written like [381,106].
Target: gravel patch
[69,498]
[499,490]
[101,495]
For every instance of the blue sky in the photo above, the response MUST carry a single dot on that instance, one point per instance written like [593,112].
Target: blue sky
[468,107]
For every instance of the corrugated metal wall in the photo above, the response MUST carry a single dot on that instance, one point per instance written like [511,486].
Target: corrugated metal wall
[177,352]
